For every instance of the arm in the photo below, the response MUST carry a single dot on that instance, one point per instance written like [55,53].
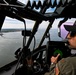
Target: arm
[53,67]
[54,64]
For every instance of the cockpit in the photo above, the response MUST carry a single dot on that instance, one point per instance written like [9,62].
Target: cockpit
[36,61]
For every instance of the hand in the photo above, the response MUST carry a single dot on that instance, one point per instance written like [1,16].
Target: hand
[54,59]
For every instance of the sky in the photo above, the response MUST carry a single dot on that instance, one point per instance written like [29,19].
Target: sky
[13,23]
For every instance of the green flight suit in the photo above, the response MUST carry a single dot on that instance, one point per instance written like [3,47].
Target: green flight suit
[66,66]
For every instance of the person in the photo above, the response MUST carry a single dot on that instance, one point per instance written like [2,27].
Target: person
[66,66]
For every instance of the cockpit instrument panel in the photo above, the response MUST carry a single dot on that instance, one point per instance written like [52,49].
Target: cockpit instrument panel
[57,47]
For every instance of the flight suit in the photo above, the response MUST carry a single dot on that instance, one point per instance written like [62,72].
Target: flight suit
[66,66]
